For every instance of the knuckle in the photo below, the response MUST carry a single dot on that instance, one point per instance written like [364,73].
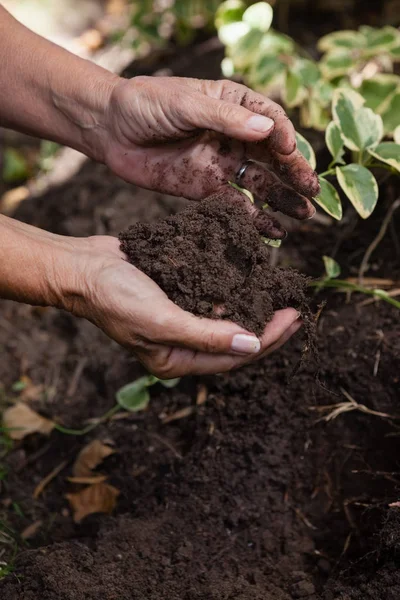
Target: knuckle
[226,113]
[163,366]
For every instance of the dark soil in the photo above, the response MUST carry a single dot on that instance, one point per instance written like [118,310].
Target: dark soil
[248,496]
[211,260]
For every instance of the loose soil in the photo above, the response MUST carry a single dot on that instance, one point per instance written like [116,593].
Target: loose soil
[211,260]
[249,496]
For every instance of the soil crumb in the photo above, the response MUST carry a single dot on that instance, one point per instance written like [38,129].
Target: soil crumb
[211,261]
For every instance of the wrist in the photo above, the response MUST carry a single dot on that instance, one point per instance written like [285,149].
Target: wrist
[38,267]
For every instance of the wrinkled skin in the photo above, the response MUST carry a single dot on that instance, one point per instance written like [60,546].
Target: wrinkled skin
[187,137]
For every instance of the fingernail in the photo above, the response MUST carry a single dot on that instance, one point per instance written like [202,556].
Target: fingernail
[313,215]
[298,315]
[245,344]
[260,123]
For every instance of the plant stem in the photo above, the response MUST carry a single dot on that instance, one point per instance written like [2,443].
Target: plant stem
[90,427]
[352,287]
[328,172]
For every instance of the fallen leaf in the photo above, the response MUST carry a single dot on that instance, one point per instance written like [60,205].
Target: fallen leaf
[98,498]
[46,480]
[31,530]
[88,480]
[20,420]
[90,457]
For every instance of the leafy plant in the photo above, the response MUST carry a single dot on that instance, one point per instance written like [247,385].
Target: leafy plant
[133,397]
[354,140]
[152,23]
[330,280]
[272,62]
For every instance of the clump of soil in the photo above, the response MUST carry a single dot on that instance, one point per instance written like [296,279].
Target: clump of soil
[211,260]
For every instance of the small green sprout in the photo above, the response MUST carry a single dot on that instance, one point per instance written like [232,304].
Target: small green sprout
[133,397]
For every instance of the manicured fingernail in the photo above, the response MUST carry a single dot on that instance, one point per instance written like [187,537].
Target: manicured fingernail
[246,344]
[260,123]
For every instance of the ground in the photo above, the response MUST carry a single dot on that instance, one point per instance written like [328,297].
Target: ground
[233,486]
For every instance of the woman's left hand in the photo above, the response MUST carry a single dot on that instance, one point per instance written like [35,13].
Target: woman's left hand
[187,137]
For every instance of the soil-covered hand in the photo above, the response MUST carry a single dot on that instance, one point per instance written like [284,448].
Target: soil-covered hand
[134,311]
[187,137]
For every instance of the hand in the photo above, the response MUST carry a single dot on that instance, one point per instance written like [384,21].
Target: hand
[187,137]
[130,308]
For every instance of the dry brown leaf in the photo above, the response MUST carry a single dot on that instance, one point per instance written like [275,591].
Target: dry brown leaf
[21,421]
[98,498]
[88,480]
[31,530]
[90,457]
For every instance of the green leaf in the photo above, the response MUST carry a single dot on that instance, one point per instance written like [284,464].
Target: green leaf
[169,383]
[135,396]
[314,115]
[15,167]
[265,71]
[132,398]
[334,141]
[323,92]
[396,134]
[231,33]
[391,114]
[246,50]
[336,63]
[332,268]
[276,43]
[259,16]
[381,39]
[394,53]
[360,187]
[293,91]
[341,39]
[308,72]
[360,127]
[229,12]
[388,152]
[329,199]
[272,243]
[376,90]
[306,149]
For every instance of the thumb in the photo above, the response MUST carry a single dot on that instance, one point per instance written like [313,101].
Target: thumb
[233,120]
[181,328]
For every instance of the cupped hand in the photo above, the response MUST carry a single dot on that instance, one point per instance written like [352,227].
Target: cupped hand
[170,342]
[187,137]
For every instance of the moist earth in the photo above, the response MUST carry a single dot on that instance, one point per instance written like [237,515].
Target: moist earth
[250,495]
[211,260]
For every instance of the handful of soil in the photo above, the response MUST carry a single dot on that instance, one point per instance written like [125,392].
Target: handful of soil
[211,261]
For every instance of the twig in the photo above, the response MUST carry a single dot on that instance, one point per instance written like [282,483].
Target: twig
[381,234]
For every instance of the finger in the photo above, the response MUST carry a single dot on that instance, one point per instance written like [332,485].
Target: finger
[176,327]
[282,138]
[168,362]
[202,112]
[295,170]
[284,338]
[267,187]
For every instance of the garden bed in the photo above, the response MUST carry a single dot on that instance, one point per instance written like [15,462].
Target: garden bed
[230,487]
[243,494]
